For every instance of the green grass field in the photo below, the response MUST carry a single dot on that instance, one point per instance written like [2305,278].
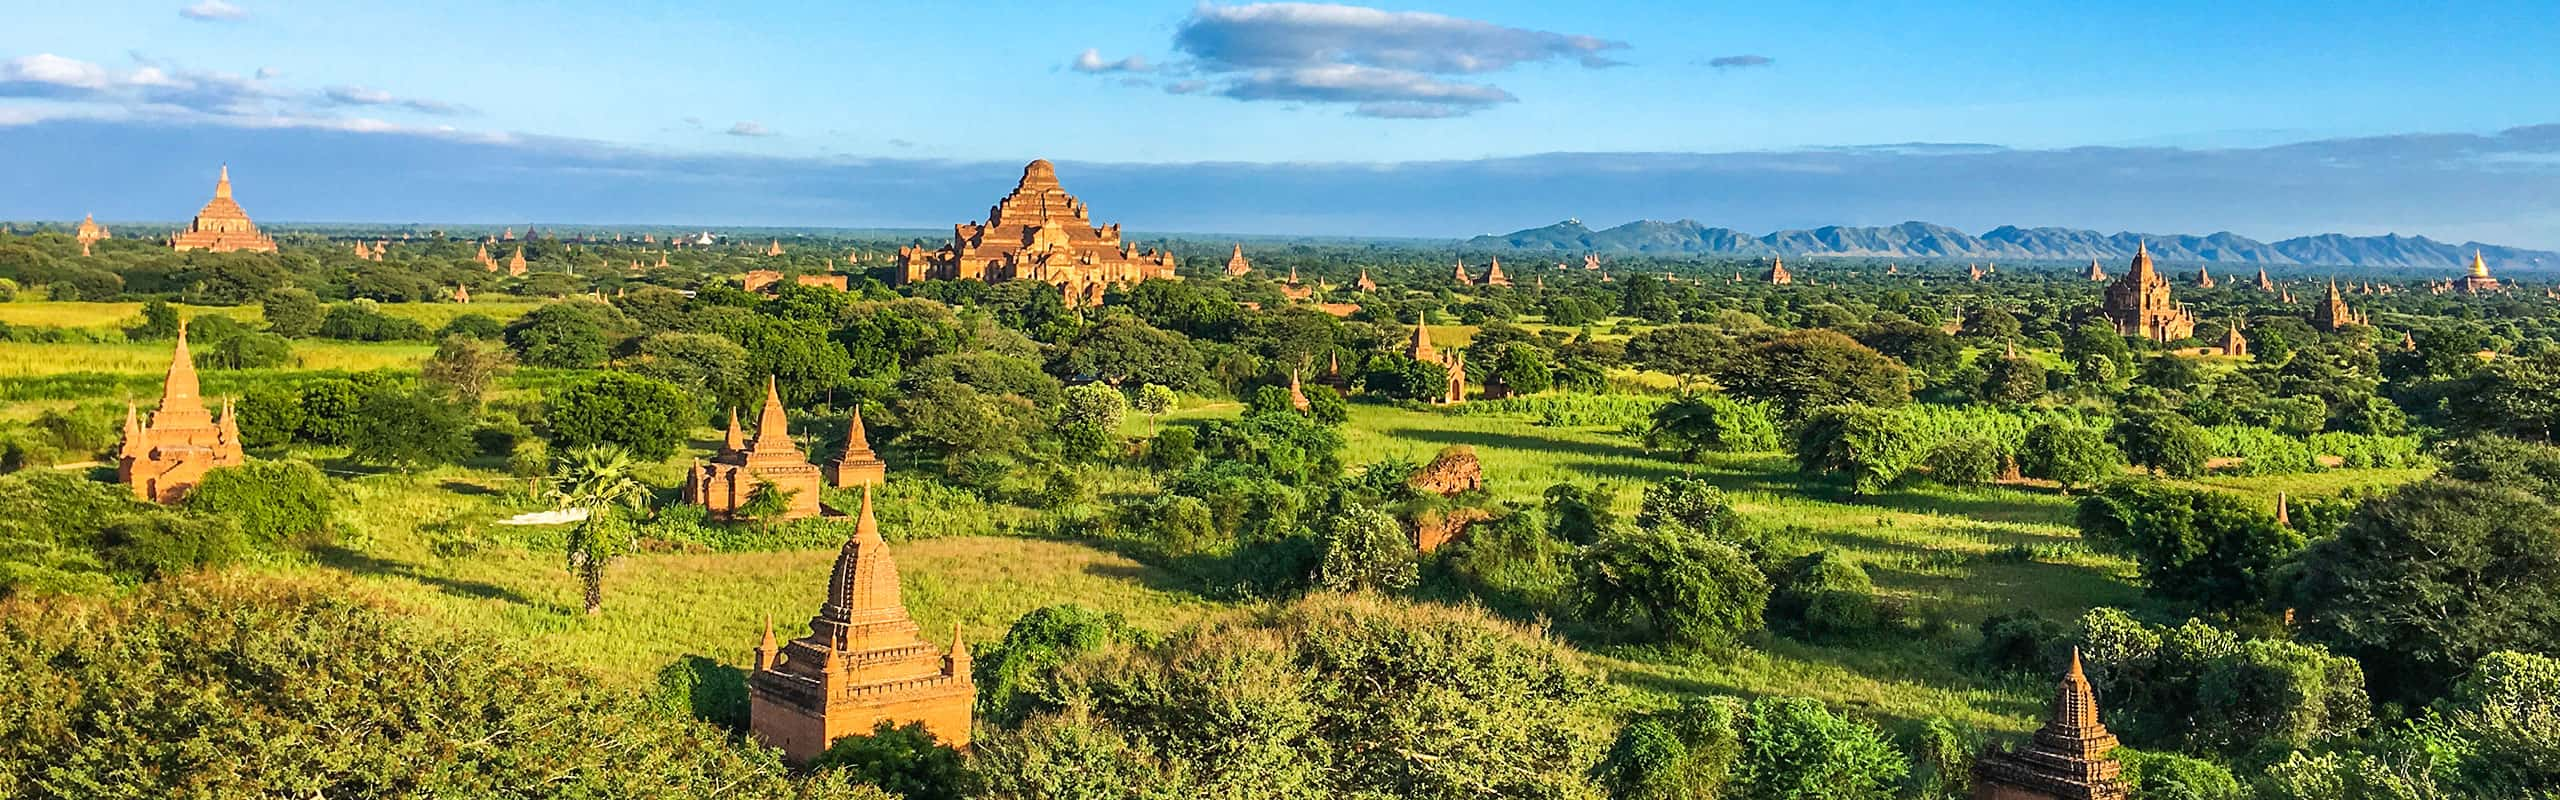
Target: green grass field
[104,316]
[31,360]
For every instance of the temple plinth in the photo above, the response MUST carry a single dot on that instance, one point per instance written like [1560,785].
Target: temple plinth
[1038,233]
[165,458]
[221,226]
[864,662]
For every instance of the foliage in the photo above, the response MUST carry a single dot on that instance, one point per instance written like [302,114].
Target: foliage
[2165,443]
[2206,547]
[1033,649]
[1153,399]
[2424,581]
[1691,590]
[905,761]
[2069,454]
[1794,749]
[409,428]
[288,684]
[648,417]
[2199,687]
[1800,371]
[274,503]
[1690,503]
[1090,421]
[1872,446]
[1824,594]
[291,312]
[1963,461]
[1366,549]
[2169,776]
[1697,424]
[564,335]
[463,369]
[61,532]
[598,480]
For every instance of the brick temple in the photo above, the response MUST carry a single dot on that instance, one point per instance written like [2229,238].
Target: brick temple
[165,458]
[864,662]
[222,226]
[1038,233]
[89,233]
[2070,758]
[2139,304]
[857,466]
[1420,349]
[730,478]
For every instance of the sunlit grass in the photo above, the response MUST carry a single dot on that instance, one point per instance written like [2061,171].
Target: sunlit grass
[102,316]
[34,360]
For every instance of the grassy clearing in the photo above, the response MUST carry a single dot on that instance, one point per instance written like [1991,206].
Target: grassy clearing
[103,316]
[30,360]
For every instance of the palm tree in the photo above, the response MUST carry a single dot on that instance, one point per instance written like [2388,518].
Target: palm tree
[597,479]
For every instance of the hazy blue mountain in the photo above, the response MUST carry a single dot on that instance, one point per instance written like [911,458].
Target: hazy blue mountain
[2010,242]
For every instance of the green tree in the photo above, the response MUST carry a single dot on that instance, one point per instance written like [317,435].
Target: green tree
[646,417]
[1695,424]
[2013,379]
[2164,442]
[1691,503]
[1872,446]
[1693,590]
[1365,549]
[463,369]
[2207,547]
[599,480]
[1794,749]
[2069,454]
[405,427]
[1153,399]
[1800,371]
[902,760]
[1090,421]
[571,334]
[291,312]
[275,503]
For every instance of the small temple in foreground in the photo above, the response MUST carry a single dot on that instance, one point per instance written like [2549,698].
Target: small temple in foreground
[222,226]
[2138,304]
[864,662]
[732,475]
[163,459]
[2071,758]
[1038,233]
[857,465]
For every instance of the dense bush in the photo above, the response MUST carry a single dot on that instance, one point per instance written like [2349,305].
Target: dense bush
[286,687]
[2206,547]
[1824,594]
[1872,446]
[1964,461]
[62,532]
[274,502]
[1697,424]
[645,416]
[1691,590]
[2199,687]
[2069,454]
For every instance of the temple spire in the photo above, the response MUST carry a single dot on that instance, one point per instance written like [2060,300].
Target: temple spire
[773,426]
[222,185]
[737,439]
[857,438]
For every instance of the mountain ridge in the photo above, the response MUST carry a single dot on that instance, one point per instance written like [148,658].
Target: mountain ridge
[1922,240]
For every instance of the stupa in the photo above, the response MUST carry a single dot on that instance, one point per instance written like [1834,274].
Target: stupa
[1493,276]
[2333,313]
[1420,349]
[2478,279]
[1461,275]
[857,465]
[221,226]
[1037,233]
[2071,758]
[1778,274]
[1237,265]
[730,479]
[183,441]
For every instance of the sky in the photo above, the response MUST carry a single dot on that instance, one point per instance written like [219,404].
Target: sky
[2270,119]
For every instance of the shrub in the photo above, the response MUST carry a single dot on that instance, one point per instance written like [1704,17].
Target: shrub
[649,417]
[1692,590]
[273,502]
[2069,454]
[903,760]
[1964,461]
[1825,594]
[2018,641]
[697,687]
[1794,749]
[1872,446]
[1364,548]
[1697,424]
[62,532]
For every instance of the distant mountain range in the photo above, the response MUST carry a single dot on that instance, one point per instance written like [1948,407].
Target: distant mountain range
[1921,240]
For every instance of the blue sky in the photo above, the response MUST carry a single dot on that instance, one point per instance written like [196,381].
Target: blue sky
[1215,85]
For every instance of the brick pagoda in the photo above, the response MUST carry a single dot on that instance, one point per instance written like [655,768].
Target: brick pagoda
[221,226]
[864,662]
[164,459]
[2478,279]
[89,232]
[2071,758]
[2139,304]
[1778,274]
[1038,233]
[1420,349]
[730,478]
[2333,314]
[857,466]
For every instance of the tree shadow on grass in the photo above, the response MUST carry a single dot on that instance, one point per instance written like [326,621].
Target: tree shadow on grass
[341,558]
[1514,441]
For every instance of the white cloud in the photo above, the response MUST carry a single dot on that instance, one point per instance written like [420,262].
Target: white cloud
[1090,61]
[214,11]
[750,129]
[1385,64]
[49,70]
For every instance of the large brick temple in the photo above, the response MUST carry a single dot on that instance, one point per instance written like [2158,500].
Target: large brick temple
[730,478]
[2071,758]
[222,226]
[165,458]
[2138,304]
[1037,233]
[864,662]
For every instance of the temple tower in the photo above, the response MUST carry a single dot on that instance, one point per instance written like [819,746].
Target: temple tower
[857,465]
[2071,758]
[2333,313]
[2139,304]
[1778,274]
[1237,265]
[89,232]
[221,226]
[2478,279]
[731,477]
[864,662]
[1494,276]
[164,459]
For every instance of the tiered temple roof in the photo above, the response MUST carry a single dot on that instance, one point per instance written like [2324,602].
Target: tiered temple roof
[1778,274]
[2333,313]
[89,232]
[1461,275]
[857,465]
[1237,265]
[164,459]
[221,226]
[2070,758]
[2478,280]
[731,477]
[864,662]
[2139,304]
[1494,276]
[1038,233]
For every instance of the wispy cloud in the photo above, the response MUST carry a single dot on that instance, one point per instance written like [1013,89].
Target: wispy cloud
[214,11]
[363,96]
[1744,61]
[1386,64]
[751,129]
[1090,62]
[159,89]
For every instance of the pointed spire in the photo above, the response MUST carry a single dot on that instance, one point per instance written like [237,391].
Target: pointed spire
[773,425]
[133,446]
[737,439]
[959,653]
[230,423]
[766,649]
[857,438]
[222,185]
[179,405]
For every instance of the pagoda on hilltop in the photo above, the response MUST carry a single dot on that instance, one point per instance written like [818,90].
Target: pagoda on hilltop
[2139,305]
[1420,349]
[221,226]
[864,662]
[164,459]
[1778,274]
[1237,265]
[2478,280]
[2071,758]
[742,467]
[89,232]
[857,465]
[1494,276]
[1038,233]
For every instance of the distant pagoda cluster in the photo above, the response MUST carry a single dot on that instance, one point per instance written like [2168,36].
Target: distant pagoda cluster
[1038,233]
[167,456]
[2138,304]
[222,226]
